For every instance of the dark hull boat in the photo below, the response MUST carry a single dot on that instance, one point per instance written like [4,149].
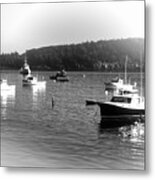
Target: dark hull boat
[60,78]
[126,106]
[113,110]
[116,116]
[122,110]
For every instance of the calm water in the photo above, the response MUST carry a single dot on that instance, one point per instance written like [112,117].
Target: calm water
[66,133]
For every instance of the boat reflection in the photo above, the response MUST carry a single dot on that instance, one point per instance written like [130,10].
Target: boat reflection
[38,92]
[132,133]
[7,97]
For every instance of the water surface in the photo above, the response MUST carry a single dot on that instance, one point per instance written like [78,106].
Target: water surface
[50,126]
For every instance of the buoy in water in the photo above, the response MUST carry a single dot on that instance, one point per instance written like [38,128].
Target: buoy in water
[106,93]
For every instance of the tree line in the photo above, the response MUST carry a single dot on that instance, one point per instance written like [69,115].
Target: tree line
[87,56]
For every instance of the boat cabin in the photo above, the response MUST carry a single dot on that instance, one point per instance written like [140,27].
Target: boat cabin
[126,99]
[121,99]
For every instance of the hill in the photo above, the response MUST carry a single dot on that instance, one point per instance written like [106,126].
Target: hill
[88,56]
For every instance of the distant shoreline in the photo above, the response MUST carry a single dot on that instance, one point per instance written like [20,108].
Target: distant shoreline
[86,71]
[100,56]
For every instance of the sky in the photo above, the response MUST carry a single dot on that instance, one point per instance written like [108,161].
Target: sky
[34,25]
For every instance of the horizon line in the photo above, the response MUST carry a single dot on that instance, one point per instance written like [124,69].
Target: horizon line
[68,44]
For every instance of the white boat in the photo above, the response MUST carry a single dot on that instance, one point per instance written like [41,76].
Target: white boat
[25,70]
[7,94]
[29,80]
[114,84]
[4,86]
[119,84]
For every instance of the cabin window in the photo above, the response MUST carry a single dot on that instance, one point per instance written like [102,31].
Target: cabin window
[121,99]
[136,100]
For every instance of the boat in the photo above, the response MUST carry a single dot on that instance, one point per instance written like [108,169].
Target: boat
[29,80]
[122,110]
[61,76]
[125,107]
[120,85]
[5,87]
[59,79]
[117,83]
[25,70]
[114,84]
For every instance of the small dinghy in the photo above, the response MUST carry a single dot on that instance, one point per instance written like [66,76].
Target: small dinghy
[60,76]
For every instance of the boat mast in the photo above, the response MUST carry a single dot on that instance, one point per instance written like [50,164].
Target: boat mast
[125,78]
[141,75]
[25,59]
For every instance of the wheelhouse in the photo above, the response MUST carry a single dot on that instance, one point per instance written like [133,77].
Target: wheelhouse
[126,99]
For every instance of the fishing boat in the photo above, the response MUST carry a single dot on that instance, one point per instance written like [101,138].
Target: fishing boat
[61,76]
[25,70]
[114,84]
[125,107]
[122,110]
[117,83]
[29,80]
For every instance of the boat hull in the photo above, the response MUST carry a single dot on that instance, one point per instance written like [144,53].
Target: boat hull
[116,123]
[114,116]
[29,83]
[113,110]
[59,79]
[91,102]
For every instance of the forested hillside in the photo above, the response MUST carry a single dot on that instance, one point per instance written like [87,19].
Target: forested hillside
[88,56]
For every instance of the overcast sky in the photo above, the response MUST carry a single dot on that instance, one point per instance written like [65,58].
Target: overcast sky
[26,26]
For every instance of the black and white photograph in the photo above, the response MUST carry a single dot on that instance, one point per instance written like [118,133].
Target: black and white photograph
[72,85]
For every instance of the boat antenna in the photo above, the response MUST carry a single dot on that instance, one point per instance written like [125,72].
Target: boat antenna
[126,60]
[25,59]
[141,74]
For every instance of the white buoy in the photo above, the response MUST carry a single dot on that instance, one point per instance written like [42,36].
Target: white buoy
[84,75]
[106,93]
